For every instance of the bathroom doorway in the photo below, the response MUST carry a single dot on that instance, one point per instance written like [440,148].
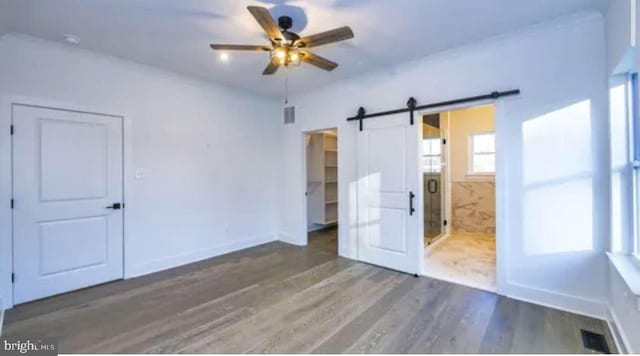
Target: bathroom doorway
[458,156]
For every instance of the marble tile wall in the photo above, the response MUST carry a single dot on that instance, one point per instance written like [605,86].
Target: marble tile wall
[473,207]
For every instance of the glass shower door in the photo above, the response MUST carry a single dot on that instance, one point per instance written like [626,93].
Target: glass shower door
[433,182]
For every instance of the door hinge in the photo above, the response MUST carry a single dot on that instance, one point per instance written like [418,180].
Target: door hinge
[12,203]
[13,277]
[445,223]
[444,141]
[11,129]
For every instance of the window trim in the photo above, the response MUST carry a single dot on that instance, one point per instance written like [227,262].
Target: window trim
[435,138]
[471,154]
[634,137]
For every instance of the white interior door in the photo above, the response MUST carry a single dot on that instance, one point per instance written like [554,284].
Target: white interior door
[387,189]
[67,170]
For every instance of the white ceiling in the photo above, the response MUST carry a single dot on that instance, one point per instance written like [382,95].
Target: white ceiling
[175,35]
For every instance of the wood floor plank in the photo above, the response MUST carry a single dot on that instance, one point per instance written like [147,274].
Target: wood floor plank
[462,325]
[528,329]
[160,336]
[250,333]
[289,299]
[345,306]
[403,324]
[498,337]
[344,337]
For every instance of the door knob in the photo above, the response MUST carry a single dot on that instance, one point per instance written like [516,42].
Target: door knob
[115,206]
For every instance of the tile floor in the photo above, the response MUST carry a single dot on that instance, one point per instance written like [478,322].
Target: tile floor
[465,259]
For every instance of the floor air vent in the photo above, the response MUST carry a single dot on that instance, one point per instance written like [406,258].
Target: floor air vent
[289,115]
[594,341]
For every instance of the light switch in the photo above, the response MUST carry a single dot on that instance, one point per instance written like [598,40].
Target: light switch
[140,174]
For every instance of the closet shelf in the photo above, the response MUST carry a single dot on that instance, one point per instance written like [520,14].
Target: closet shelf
[323,201]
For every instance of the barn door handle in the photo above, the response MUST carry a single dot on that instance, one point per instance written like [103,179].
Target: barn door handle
[411,209]
[115,206]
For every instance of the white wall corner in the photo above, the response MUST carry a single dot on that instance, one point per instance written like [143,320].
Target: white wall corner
[290,239]
[619,337]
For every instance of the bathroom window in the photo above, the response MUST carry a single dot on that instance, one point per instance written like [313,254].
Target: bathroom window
[431,155]
[482,153]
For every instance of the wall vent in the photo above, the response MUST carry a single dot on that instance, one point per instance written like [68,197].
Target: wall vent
[289,115]
[594,341]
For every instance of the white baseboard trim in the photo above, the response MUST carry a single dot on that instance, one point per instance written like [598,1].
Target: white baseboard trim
[289,239]
[162,264]
[570,303]
[619,336]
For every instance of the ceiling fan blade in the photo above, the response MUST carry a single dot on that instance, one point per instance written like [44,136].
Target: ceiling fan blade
[230,47]
[271,68]
[323,38]
[318,61]
[267,22]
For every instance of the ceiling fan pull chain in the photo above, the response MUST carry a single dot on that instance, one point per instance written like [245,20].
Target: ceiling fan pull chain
[286,85]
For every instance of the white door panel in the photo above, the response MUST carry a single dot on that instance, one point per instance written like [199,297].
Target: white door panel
[387,176]
[67,170]
[59,143]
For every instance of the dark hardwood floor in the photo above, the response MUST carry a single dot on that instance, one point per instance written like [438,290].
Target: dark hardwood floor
[287,299]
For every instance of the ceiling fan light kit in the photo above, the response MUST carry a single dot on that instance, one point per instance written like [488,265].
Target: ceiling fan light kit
[288,48]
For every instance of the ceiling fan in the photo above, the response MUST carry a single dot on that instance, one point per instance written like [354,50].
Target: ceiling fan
[288,48]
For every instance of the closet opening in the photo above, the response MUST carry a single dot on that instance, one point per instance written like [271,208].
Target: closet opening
[322,198]
[459,209]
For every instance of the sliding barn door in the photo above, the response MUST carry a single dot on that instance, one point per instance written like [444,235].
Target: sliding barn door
[387,154]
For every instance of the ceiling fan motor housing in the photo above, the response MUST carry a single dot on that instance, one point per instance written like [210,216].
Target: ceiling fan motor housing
[285,22]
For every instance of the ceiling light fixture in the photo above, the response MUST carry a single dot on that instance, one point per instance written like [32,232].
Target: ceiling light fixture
[280,53]
[294,57]
[71,39]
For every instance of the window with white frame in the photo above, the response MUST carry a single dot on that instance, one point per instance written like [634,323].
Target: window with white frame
[431,155]
[625,165]
[634,109]
[482,153]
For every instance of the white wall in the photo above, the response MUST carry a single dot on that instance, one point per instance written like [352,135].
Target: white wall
[208,151]
[5,21]
[552,185]
[619,32]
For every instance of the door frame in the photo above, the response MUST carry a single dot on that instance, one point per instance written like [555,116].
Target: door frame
[6,180]
[501,182]
[305,240]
